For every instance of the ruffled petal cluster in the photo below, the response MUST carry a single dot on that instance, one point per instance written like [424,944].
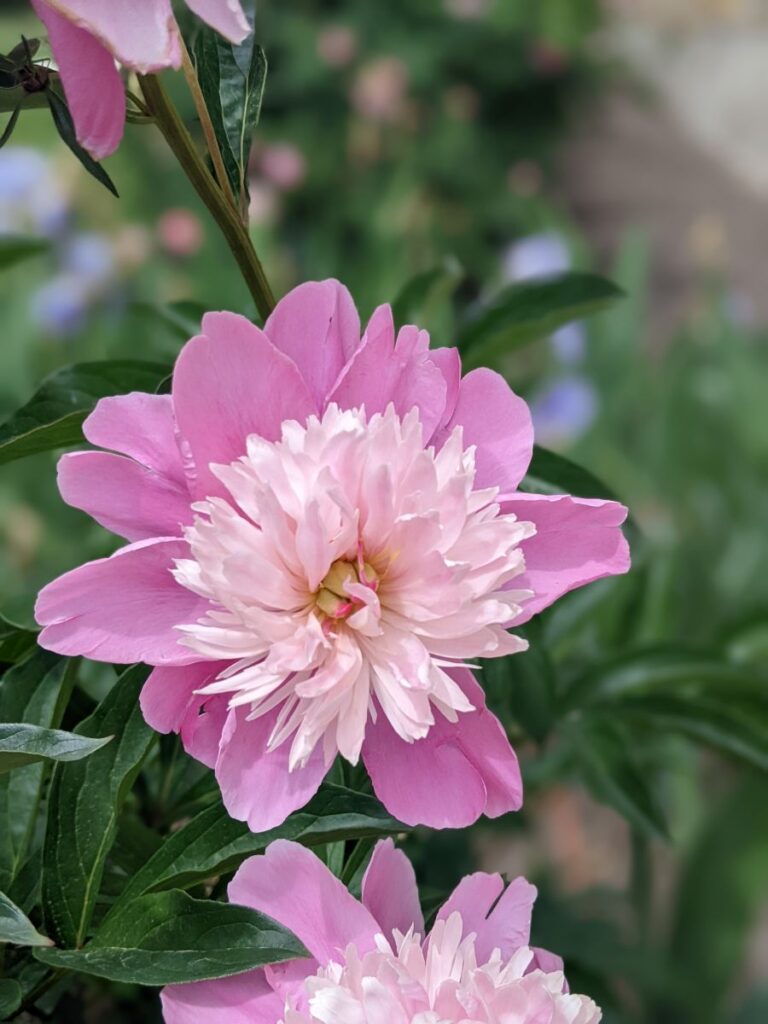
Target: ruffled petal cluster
[322,528]
[371,962]
[87,37]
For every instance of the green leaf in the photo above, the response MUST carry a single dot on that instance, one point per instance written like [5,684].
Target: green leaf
[10,997]
[35,691]
[84,803]
[16,927]
[65,126]
[22,744]
[15,643]
[529,310]
[181,318]
[550,473]
[52,418]
[608,768]
[232,79]
[415,295]
[213,843]
[169,938]
[525,685]
[17,248]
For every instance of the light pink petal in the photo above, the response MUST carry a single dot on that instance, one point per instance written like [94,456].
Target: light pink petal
[141,426]
[122,609]
[226,16]
[169,693]
[228,383]
[383,371]
[293,886]
[577,540]
[456,773]
[243,999]
[498,422]
[317,326]
[501,918]
[141,34]
[92,84]
[256,785]
[389,890]
[131,500]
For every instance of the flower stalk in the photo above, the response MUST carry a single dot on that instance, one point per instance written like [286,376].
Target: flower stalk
[223,211]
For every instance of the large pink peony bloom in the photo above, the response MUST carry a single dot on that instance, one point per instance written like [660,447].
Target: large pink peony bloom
[323,530]
[88,36]
[370,962]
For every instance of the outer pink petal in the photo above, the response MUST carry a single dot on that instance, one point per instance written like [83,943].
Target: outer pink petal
[256,785]
[499,422]
[382,371]
[317,326]
[293,886]
[226,16]
[501,918]
[142,34]
[448,362]
[456,773]
[141,426]
[122,609]
[228,383]
[169,694]
[389,890]
[92,83]
[242,999]
[577,540]
[132,501]
[203,727]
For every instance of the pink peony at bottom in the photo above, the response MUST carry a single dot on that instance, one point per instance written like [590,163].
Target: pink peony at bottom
[371,962]
[324,534]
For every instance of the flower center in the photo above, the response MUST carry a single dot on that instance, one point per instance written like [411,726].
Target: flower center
[333,598]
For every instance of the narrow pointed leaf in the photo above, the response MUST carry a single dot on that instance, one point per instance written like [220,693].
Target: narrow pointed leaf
[169,938]
[17,248]
[52,418]
[21,745]
[84,803]
[65,126]
[15,926]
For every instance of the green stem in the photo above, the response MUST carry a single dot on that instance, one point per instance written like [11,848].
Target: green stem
[225,215]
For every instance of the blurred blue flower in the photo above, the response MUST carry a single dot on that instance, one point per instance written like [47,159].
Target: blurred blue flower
[60,306]
[89,256]
[536,256]
[30,196]
[564,410]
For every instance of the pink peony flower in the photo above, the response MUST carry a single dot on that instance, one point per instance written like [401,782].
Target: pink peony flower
[88,36]
[370,961]
[322,529]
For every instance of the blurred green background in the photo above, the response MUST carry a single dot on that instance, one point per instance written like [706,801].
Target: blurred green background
[480,142]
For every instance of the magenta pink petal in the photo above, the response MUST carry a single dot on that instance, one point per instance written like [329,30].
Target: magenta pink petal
[228,383]
[169,693]
[226,16]
[291,885]
[448,362]
[142,34]
[92,83]
[131,500]
[256,785]
[317,326]
[577,540]
[389,890]
[383,370]
[122,609]
[141,426]
[203,727]
[243,999]
[501,918]
[499,423]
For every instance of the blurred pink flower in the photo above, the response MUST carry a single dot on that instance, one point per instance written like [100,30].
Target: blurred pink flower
[371,959]
[467,10]
[322,528]
[180,232]
[264,205]
[283,164]
[88,36]
[337,45]
[380,89]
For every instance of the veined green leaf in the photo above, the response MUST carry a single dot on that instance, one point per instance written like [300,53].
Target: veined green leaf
[65,126]
[15,643]
[529,310]
[52,418]
[84,803]
[21,745]
[10,997]
[169,938]
[15,926]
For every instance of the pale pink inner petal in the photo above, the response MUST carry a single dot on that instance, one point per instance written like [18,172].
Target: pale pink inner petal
[226,16]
